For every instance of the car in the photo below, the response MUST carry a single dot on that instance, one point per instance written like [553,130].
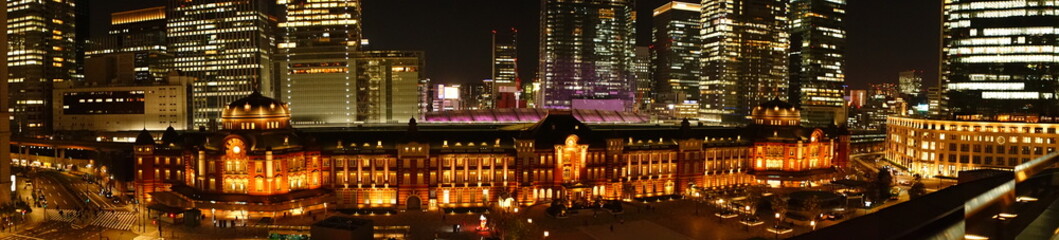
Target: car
[832,216]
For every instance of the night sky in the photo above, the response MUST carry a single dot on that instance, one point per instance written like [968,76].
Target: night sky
[884,37]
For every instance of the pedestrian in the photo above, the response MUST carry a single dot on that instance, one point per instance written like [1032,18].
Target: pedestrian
[612,227]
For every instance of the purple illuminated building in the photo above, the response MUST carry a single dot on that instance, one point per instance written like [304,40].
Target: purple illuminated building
[527,115]
[586,52]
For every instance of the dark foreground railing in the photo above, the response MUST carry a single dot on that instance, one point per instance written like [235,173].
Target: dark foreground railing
[986,204]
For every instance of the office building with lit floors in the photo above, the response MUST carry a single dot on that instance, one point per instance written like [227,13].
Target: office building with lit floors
[228,45]
[259,166]
[42,54]
[587,50]
[744,57]
[817,61]
[1000,53]
[946,147]
[675,60]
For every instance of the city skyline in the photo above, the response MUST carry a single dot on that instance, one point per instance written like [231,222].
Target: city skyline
[878,42]
[547,119]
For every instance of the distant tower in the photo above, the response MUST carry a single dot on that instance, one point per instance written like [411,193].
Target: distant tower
[675,53]
[642,78]
[910,82]
[505,86]
[817,61]
[586,53]
[744,57]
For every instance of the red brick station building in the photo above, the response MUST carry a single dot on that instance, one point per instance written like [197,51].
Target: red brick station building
[257,165]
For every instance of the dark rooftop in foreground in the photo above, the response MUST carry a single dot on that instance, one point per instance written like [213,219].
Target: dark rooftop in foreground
[346,223]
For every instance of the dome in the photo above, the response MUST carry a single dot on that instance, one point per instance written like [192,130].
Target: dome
[255,112]
[144,138]
[777,113]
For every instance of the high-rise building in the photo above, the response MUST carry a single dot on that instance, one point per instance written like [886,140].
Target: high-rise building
[42,49]
[504,89]
[744,57]
[999,57]
[857,98]
[132,53]
[586,54]
[910,83]
[936,102]
[817,60]
[475,96]
[316,60]
[228,45]
[5,115]
[675,55]
[82,28]
[642,78]
[368,87]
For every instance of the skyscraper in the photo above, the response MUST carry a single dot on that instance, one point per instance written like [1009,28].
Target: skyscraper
[817,60]
[586,54]
[1000,57]
[133,52]
[316,60]
[642,78]
[675,55]
[226,44]
[5,115]
[505,86]
[744,61]
[910,82]
[366,87]
[42,50]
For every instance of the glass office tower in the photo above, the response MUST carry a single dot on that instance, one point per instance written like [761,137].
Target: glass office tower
[1001,57]
[586,54]
[744,61]
[41,54]
[675,58]
[505,85]
[817,60]
[228,45]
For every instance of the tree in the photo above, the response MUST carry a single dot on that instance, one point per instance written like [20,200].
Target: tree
[509,226]
[753,197]
[917,190]
[812,206]
[883,182]
[779,204]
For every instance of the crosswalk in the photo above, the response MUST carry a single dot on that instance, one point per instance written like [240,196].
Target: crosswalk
[53,215]
[118,220]
[115,220]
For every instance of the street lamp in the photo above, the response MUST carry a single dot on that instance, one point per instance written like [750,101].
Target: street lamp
[813,224]
[545,234]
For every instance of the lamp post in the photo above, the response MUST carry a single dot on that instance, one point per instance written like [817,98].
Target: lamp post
[777,226]
[545,234]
